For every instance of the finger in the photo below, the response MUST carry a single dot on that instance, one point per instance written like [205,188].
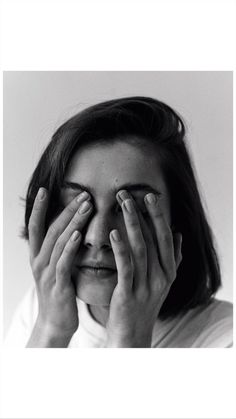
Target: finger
[135,237]
[163,235]
[64,264]
[157,283]
[152,257]
[36,224]
[154,272]
[136,241]
[58,226]
[177,237]
[77,223]
[123,262]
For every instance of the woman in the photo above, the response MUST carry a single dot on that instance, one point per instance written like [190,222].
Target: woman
[120,248]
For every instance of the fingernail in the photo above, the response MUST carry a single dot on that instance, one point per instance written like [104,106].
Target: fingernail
[75,236]
[41,194]
[115,235]
[123,194]
[119,199]
[85,206]
[129,205]
[82,195]
[151,198]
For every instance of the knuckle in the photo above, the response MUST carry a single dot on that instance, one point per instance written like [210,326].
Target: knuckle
[155,287]
[134,223]
[166,238]
[70,210]
[52,231]
[76,220]
[36,269]
[121,250]
[59,245]
[172,275]
[160,287]
[33,226]
[140,251]
[79,219]
[122,294]
[35,211]
[45,283]
[157,214]
[60,268]
[143,294]
[36,208]
[128,270]
[68,249]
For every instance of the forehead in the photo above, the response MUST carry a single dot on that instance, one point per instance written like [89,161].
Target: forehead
[107,167]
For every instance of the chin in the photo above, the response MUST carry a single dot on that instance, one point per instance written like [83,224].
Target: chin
[94,291]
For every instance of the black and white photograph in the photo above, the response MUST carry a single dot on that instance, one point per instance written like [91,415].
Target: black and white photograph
[118,205]
[121,214]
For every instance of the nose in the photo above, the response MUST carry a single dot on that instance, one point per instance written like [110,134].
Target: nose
[97,233]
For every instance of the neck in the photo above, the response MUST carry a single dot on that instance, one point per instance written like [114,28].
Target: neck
[100,314]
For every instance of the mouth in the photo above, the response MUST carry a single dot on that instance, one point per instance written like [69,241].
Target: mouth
[97,271]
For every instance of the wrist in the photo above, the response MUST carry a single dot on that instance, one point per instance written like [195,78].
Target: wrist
[47,336]
[143,341]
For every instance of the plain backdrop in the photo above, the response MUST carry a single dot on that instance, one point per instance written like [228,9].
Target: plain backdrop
[36,103]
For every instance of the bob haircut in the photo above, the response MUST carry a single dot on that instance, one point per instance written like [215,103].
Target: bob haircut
[149,121]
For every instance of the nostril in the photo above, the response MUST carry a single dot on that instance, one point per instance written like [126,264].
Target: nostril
[98,245]
[106,246]
[97,233]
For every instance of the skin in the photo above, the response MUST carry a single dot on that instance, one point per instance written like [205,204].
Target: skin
[146,255]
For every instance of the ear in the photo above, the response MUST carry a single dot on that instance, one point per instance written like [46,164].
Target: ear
[177,239]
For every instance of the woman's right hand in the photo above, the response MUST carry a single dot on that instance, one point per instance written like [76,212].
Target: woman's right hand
[51,259]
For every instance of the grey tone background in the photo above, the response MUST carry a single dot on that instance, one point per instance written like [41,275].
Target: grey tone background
[36,103]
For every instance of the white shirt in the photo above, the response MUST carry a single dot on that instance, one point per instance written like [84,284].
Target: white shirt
[208,326]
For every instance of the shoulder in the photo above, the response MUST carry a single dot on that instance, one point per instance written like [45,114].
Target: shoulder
[212,323]
[219,309]
[205,326]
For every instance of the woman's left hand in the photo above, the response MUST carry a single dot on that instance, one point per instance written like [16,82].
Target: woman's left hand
[146,270]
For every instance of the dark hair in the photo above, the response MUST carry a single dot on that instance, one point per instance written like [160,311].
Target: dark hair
[145,118]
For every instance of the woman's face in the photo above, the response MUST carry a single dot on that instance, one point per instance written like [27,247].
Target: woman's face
[103,170]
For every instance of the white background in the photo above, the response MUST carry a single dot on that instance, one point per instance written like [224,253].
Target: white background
[124,35]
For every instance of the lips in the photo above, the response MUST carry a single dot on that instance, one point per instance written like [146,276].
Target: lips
[97,272]
[97,269]
[96,265]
